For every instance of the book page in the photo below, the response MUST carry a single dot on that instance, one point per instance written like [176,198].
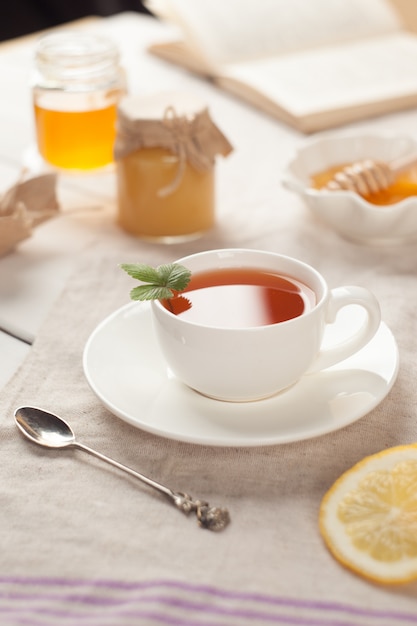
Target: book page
[337,77]
[230,31]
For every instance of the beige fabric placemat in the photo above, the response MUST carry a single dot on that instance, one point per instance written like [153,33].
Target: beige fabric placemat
[67,516]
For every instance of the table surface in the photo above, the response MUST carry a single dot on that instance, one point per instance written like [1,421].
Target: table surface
[71,258]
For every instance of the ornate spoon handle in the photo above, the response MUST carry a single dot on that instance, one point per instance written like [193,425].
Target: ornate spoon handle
[210,517]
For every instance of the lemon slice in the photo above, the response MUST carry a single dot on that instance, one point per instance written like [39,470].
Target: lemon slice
[368,518]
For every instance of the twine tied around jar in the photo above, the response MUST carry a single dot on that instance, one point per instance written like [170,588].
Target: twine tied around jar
[195,139]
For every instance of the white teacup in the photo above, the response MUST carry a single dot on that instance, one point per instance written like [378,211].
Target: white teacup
[250,363]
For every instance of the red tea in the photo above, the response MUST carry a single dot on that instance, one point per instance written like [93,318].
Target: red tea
[241,298]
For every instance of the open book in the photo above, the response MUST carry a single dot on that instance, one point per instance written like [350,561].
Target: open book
[313,64]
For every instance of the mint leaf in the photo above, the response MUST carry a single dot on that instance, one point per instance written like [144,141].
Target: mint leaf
[163,282]
[150,292]
[175,276]
[145,273]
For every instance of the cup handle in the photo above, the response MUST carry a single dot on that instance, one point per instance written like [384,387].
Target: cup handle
[339,298]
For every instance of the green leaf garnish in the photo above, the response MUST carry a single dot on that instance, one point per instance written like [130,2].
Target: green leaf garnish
[162,283]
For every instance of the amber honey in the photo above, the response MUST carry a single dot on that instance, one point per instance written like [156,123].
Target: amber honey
[77,85]
[76,139]
[143,211]
[165,151]
[404,187]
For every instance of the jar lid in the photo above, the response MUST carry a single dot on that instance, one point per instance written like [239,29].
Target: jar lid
[75,55]
[178,122]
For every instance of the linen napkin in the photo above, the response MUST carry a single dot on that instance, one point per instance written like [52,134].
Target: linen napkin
[24,206]
[84,544]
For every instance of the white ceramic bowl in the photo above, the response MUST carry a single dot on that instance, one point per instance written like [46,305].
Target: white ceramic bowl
[346,212]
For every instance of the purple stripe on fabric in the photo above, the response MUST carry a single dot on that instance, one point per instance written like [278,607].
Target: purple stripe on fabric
[169,620]
[199,607]
[215,592]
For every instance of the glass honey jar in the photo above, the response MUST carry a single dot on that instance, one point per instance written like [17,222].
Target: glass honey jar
[77,84]
[165,152]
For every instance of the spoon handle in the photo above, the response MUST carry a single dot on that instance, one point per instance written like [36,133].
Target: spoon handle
[212,518]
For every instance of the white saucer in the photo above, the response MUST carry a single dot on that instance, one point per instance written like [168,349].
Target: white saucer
[126,370]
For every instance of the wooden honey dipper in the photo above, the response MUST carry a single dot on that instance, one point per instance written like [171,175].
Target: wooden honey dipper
[370,176]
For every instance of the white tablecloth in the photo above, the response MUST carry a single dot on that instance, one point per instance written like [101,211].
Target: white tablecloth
[83,544]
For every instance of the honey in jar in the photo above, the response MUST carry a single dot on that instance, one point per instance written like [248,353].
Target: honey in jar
[165,153]
[403,187]
[78,83]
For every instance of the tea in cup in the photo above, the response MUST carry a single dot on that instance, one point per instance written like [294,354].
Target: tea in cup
[251,323]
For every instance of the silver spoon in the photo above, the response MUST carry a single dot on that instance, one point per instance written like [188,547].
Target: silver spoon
[47,429]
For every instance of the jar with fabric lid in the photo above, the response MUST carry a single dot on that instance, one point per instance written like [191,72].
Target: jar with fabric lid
[165,152]
[77,84]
